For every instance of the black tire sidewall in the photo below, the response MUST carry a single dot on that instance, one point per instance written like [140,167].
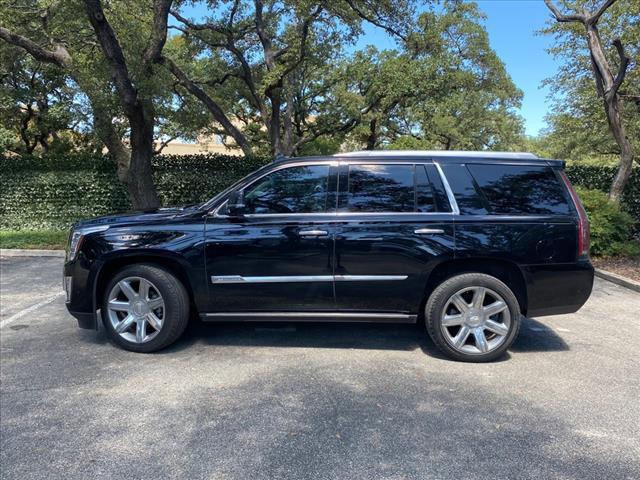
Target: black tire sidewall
[437,302]
[176,307]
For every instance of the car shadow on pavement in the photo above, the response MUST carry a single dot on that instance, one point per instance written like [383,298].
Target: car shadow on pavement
[533,336]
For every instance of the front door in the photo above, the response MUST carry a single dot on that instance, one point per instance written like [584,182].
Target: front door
[395,226]
[277,256]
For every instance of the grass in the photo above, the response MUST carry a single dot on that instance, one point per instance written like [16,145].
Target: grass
[45,239]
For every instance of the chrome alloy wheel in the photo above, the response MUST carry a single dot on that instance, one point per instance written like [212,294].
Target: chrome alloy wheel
[136,309]
[475,320]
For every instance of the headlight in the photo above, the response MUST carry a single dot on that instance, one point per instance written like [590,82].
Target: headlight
[78,234]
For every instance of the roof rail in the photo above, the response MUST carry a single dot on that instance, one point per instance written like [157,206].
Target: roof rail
[437,153]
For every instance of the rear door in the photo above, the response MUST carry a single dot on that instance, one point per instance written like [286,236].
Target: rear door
[394,225]
[278,255]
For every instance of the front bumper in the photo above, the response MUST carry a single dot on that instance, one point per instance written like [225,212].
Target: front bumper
[79,284]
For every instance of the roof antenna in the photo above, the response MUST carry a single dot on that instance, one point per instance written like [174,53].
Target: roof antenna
[278,157]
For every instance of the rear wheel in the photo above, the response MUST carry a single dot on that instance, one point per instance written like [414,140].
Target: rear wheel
[145,308]
[473,317]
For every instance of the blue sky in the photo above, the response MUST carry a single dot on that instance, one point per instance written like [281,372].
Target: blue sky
[511,25]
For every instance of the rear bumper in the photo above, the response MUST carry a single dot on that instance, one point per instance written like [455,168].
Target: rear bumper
[557,289]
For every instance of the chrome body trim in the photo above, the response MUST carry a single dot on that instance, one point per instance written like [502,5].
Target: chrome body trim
[226,279]
[447,188]
[309,317]
[369,278]
[427,231]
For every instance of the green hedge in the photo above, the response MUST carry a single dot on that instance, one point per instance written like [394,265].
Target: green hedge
[54,191]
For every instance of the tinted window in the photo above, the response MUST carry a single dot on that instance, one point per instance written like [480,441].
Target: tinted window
[467,197]
[290,190]
[439,193]
[380,188]
[424,192]
[517,190]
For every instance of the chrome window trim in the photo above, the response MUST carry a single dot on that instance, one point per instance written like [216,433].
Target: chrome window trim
[447,188]
[228,279]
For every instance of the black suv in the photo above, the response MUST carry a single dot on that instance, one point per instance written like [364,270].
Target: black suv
[469,241]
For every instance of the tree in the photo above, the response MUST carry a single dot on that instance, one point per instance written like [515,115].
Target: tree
[608,80]
[133,80]
[446,89]
[261,64]
[36,104]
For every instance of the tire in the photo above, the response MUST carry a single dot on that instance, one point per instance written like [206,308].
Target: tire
[146,295]
[493,316]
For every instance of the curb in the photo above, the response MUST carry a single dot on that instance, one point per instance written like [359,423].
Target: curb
[618,279]
[19,252]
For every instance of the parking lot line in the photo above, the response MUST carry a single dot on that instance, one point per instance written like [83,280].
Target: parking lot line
[28,310]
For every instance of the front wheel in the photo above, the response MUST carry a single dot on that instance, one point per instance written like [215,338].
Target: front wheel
[473,317]
[145,308]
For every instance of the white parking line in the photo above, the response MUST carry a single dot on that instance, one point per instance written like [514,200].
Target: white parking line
[28,310]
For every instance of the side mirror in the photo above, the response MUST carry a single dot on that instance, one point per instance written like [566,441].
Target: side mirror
[235,204]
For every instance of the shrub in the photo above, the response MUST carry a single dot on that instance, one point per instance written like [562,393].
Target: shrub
[610,227]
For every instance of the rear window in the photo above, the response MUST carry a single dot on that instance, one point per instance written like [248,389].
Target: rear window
[521,190]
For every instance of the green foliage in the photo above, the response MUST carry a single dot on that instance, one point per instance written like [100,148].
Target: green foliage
[599,177]
[54,191]
[47,239]
[610,226]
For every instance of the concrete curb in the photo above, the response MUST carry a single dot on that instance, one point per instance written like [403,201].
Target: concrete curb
[19,252]
[618,279]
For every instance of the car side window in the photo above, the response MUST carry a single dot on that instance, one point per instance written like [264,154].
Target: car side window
[381,188]
[521,190]
[299,189]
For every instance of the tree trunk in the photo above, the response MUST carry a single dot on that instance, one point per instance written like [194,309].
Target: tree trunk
[275,95]
[140,174]
[623,174]
[372,138]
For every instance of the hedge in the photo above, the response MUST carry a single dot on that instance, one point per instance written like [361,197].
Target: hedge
[54,191]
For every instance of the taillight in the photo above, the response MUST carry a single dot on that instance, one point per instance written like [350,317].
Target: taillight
[583,221]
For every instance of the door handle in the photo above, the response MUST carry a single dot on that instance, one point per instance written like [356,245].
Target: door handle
[312,233]
[427,231]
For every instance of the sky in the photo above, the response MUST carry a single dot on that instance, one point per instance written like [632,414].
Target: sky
[511,25]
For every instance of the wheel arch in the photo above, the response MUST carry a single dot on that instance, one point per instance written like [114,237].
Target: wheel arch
[506,271]
[173,265]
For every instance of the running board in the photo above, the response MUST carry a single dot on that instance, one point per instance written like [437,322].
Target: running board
[308,317]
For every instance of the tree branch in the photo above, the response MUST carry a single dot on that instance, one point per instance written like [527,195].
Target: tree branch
[374,21]
[560,17]
[58,56]
[113,53]
[159,31]
[622,69]
[593,19]
[216,111]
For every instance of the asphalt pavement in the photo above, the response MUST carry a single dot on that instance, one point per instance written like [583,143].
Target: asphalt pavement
[313,401]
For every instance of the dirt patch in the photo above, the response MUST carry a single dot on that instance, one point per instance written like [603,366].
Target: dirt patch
[626,266]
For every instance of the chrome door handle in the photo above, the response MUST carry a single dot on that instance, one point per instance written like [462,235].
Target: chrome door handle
[312,233]
[427,231]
